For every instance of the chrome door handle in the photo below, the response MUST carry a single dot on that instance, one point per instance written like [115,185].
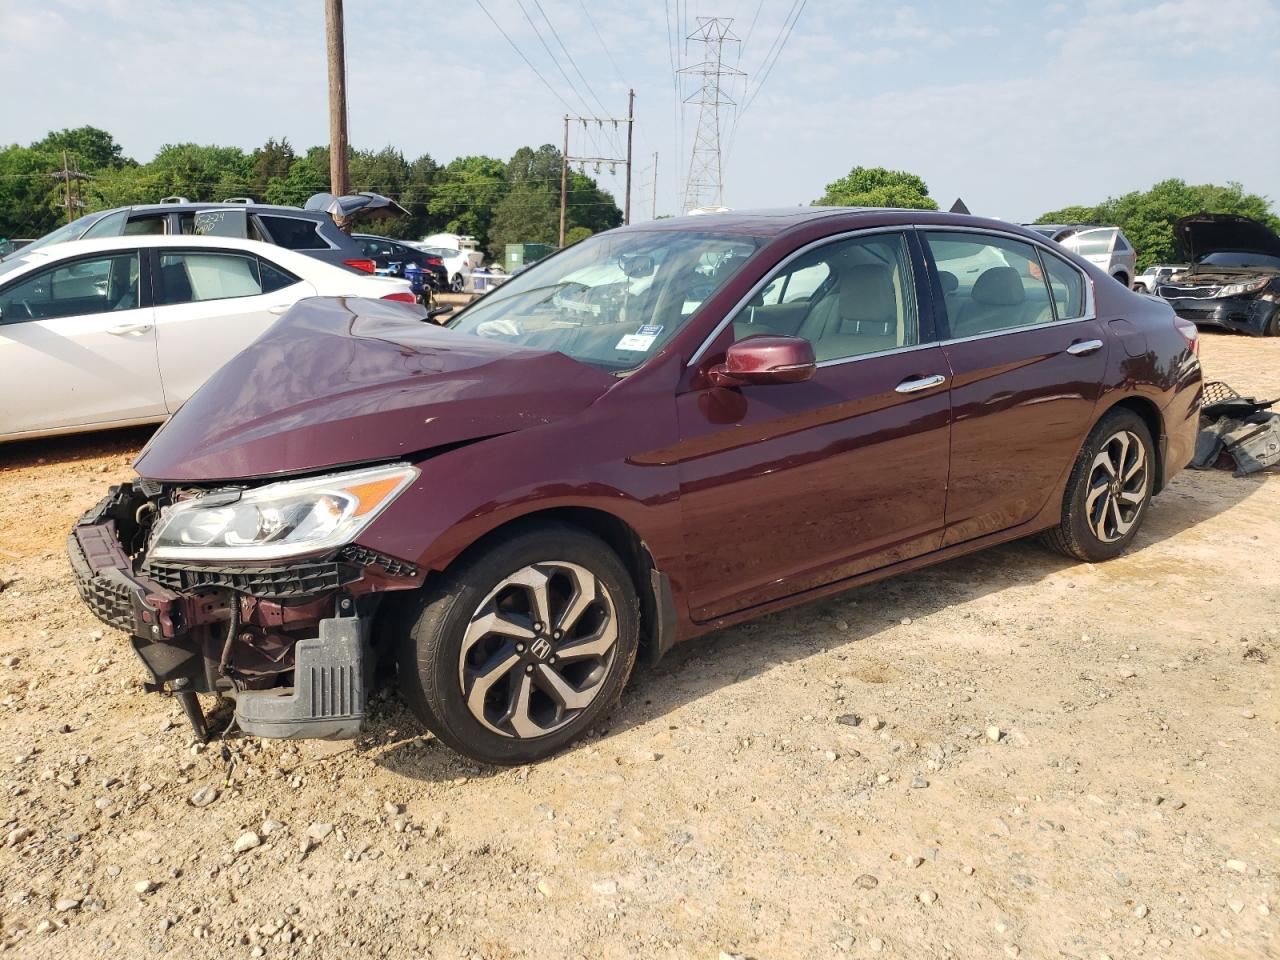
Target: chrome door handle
[127,328]
[1084,348]
[922,383]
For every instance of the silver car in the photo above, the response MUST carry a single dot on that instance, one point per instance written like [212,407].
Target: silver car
[1149,280]
[1105,247]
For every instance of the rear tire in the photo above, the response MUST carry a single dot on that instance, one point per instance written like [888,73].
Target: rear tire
[1121,279]
[1140,288]
[522,648]
[457,284]
[1109,490]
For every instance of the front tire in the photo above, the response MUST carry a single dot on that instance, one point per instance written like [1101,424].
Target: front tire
[523,647]
[1272,329]
[1109,490]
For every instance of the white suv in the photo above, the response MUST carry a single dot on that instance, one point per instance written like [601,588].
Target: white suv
[1105,247]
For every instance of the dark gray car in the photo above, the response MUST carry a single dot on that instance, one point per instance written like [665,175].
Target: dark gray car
[312,232]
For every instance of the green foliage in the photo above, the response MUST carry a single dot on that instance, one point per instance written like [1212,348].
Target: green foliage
[577,235]
[878,187]
[527,214]
[92,148]
[1147,216]
[516,201]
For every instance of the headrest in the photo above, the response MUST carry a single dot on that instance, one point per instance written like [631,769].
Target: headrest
[999,287]
[950,282]
[867,294]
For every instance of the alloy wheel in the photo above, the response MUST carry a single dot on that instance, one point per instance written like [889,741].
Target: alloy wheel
[538,649]
[1117,488]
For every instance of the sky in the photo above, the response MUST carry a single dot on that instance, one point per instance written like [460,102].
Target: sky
[1018,106]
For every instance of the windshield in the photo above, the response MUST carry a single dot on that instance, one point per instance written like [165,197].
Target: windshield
[613,300]
[1239,258]
[72,231]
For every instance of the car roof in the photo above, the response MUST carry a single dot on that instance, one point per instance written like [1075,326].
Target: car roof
[78,248]
[196,206]
[775,222]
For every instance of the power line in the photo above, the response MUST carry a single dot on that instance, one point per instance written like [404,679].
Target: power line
[527,61]
[573,63]
[797,7]
[599,37]
[542,40]
[767,65]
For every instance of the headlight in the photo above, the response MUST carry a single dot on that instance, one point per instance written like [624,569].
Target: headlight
[280,519]
[1240,289]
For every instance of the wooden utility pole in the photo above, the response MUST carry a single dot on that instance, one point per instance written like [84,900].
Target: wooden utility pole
[631,125]
[337,98]
[66,184]
[71,195]
[564,179]
[565,159]
[654,215]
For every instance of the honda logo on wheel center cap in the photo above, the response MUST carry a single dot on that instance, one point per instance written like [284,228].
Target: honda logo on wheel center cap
[540,648]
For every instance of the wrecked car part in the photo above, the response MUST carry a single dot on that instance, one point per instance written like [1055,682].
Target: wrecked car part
[1236,432]
[328,697]
[239,629]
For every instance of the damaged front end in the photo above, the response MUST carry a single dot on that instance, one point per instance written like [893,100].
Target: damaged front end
[256,593]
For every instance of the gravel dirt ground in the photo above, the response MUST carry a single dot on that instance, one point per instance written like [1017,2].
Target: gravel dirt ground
[1005,755]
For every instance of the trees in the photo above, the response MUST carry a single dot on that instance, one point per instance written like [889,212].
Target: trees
[496,201]
[878,187]
[1147,216]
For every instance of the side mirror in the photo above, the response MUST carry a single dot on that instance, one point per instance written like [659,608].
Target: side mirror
[765,359]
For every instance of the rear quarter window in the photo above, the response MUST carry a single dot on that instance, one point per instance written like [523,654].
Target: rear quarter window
[294,233]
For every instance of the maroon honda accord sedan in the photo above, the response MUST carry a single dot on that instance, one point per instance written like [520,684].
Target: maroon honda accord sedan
[659,431]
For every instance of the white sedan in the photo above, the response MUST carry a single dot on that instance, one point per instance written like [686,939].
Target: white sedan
[120,331]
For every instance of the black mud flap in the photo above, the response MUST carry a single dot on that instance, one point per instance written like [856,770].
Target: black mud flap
[327,700]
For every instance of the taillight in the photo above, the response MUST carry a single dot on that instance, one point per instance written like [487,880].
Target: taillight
[401,297]
[435,261]
[368,266]
[1189,333]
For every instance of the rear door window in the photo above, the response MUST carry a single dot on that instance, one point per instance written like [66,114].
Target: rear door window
[221,223]
[294,233]
[990,283]
[196,277]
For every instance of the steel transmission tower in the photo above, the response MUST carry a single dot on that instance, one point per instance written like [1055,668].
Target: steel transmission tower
[705,186]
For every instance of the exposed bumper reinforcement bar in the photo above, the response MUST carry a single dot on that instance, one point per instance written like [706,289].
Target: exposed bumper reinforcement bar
[327,700]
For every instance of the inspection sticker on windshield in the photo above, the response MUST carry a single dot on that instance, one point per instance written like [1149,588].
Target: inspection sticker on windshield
[641,340]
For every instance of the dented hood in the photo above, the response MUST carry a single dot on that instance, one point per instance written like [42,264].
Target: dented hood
[340,381]
[1205,233]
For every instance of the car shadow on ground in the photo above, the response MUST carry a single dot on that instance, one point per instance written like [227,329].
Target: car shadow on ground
[702,666]
[73,448]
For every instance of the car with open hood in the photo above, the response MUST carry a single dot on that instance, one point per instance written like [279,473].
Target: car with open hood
[1233,280]
[655,433]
